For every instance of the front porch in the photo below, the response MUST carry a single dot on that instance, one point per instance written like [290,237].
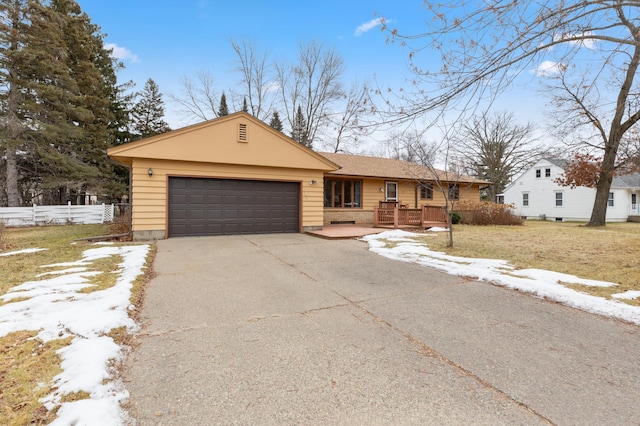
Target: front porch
[403,217]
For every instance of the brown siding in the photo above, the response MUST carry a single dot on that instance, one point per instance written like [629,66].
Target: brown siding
[372,195]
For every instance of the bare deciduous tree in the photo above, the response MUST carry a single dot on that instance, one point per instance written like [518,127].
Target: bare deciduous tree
[348,129]
[258,86]
[198,100]
[591,48]
[313,84]
[446,181]
[495,148]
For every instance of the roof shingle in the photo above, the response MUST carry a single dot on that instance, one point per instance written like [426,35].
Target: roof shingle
[388,168]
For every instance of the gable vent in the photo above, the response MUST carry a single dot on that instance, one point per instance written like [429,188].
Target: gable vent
[242,133]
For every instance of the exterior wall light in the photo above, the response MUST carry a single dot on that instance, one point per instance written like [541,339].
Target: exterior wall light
[313,182]
[150,172]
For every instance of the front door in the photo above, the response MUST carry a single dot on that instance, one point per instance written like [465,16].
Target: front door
[391,191]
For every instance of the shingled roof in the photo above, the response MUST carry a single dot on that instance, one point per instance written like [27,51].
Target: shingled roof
[387,168]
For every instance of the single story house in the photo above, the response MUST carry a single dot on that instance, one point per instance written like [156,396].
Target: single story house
[535,194]
[237,175]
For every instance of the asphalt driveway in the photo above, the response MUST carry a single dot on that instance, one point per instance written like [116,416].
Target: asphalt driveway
[293,329]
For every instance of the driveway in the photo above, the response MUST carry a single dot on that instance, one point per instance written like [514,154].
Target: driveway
[292,329]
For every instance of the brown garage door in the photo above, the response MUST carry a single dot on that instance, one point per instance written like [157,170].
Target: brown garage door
[228,207]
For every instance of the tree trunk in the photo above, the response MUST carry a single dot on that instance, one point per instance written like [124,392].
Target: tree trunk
[13,195]
[599,212]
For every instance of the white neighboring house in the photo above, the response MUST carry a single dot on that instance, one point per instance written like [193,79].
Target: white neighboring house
[535,195]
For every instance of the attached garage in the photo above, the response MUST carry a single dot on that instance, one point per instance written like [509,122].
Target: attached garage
[201,206]
[231,175]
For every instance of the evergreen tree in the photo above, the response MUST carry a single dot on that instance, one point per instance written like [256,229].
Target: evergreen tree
[245,107]
[148,113]
[223,109]
[57,100]
[298,133]
[275,121]
[13,37]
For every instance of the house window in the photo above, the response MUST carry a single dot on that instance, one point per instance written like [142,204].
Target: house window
[610,201]
[538,173]
[547,172]
[342,193]
[525,200]
[558,199]
[426,191]
[454,192]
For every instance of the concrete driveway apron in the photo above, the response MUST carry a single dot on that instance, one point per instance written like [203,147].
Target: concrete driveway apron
[292,329]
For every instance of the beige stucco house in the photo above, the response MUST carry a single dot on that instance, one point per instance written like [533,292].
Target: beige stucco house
[237,175]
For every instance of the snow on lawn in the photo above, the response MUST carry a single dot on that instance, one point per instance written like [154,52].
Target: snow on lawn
[544,284]
[56,308]
[31,250]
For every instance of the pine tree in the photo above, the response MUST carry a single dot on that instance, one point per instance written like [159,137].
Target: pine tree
[223,109]
[13,36]
[298,133]
[245,107]
[57,100]
[275,122]
[148,113]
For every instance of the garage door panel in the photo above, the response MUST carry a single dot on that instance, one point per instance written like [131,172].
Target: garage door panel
[199,206]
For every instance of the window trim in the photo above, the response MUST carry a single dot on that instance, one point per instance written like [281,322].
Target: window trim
[330,182]
[611,200]
[525,199]
[455,190]
[426,188]
[559,199]
[538,173]
[547,172]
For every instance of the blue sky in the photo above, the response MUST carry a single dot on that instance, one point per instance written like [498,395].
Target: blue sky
[168,40]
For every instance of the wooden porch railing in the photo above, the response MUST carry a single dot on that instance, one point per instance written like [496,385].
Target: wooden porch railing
[398,216]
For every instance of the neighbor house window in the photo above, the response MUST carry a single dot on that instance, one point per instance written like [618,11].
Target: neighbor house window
[454,192]
[342,193]
[426,191]
[558,199]
[547,172]
[538,174]
[611,199]
[525,200]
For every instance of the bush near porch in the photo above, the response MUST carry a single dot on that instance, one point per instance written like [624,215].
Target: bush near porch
[486,213]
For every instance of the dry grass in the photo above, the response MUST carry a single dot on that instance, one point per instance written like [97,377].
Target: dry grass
[608,254]
[28,365]
[56,239]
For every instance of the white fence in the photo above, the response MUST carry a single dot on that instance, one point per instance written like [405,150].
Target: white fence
[56,215]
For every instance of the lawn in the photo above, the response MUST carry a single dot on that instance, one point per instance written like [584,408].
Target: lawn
[610,253]
[28,365]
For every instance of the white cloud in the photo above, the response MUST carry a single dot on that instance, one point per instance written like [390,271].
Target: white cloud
[583,39]
[548,69]
[121,53]
[368,26]
[272,87]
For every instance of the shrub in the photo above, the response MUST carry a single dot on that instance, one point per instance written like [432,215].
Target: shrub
[487,213]
[121,225]
[456,218]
